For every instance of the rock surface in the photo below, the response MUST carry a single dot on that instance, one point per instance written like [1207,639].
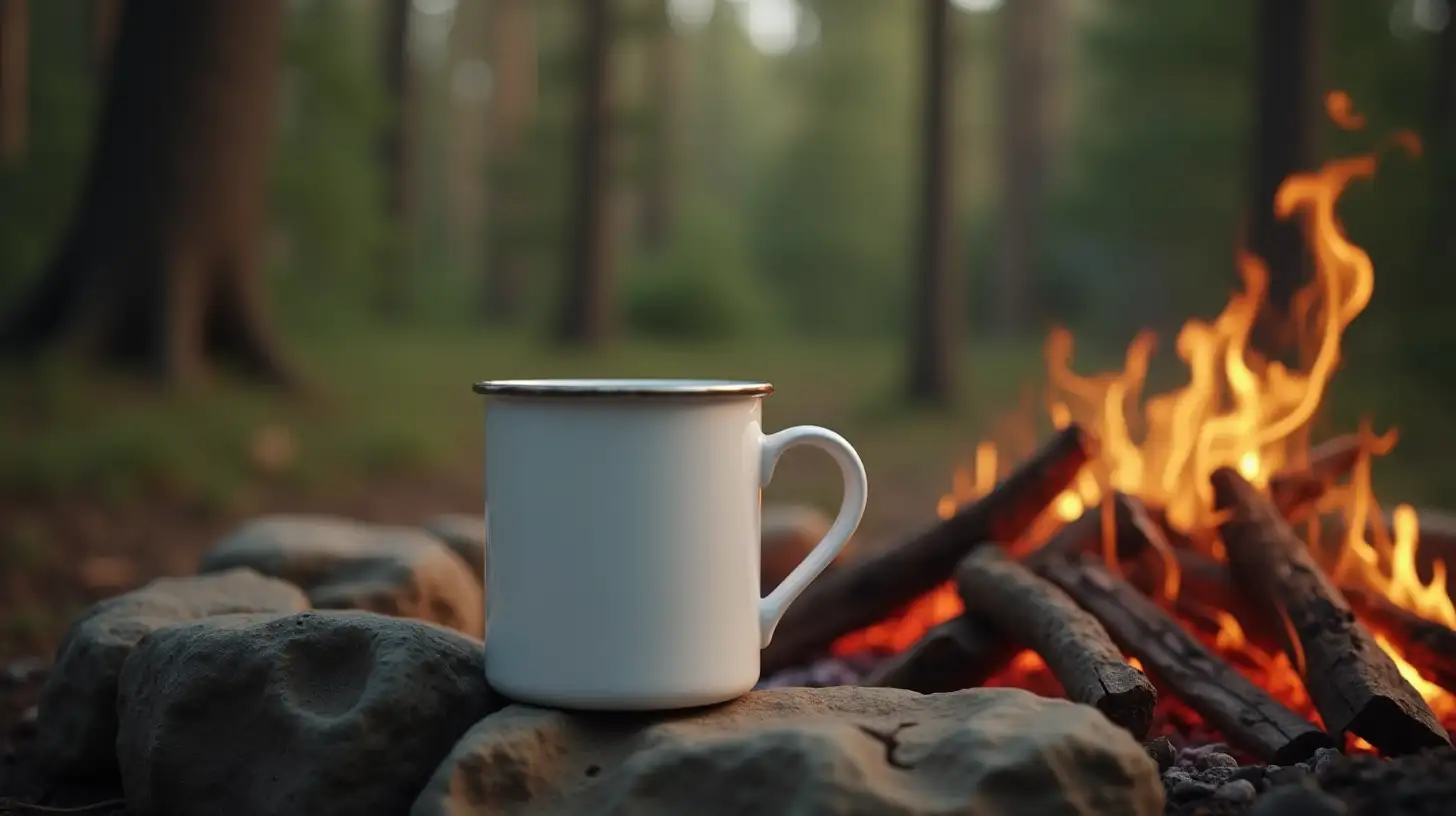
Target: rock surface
[345,564]
[856,751]
[76,717]
[314,714]
[787,534]
[465,534]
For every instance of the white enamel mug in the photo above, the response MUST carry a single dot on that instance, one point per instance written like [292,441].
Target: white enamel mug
[622,565]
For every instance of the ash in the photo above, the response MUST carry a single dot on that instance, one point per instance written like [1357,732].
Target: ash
[824,672]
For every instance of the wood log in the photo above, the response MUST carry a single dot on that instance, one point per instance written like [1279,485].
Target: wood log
[1427,645]
[1028,610]
[1296,491]
[964,652]
[876,586]
[1204,589]
[1355,686]
[960,653]
[1247,715]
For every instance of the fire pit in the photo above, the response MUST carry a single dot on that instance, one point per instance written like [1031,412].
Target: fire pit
[1186,562]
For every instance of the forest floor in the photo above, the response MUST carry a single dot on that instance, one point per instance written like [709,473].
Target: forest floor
[104,484]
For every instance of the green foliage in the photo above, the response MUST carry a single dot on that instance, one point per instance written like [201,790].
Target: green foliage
[36,194]
[832,212]
[328,186]
[698,287]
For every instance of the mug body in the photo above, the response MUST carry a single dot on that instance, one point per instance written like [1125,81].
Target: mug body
[623,557]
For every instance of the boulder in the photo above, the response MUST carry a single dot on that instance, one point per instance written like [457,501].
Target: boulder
[345,564]
[787,534]
[77,712]
[863,751]
[314,714]
[465,534]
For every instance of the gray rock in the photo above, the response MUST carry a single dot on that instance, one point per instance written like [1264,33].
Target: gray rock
[465,534]
[1322,759]
[808,752]
[1190,790]
[1162,752]
[1297,800]
[345,564]
[315,714]
[1216,759]
[788,533]
[1239,790]
[77,711]
[1296,774]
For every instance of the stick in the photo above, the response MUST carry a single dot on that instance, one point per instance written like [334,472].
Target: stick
[1242,711]
[1353,683]
[1296,492]
[958,654]
[876,586]
[964,652]
[1026,609]
[1426,644]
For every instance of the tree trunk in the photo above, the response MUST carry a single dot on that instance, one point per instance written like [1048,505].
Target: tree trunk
[512,107]
[586,318]
[1286,97]
[160,267]
[395,149]
[937,303]
[105,19]
[665,72]
[1023,130]
[14,79]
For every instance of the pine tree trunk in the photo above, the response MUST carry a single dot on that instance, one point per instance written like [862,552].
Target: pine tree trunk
[104,22]
[14,79]
[586,318]
[512,106]
[937,304]
[1286,102]
[395,150]
[160,268]
[665,72]
[1023,130]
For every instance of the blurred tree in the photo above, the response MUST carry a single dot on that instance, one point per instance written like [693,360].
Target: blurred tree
[161,264]
[14,79]
[665,70]
[938,309]
[833,209]
[1287,95]
[512,105]
[396,147]
[104,19]
[1026,43]
[589,299]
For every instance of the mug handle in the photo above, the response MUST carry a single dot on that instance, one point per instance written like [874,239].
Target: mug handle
[856,486]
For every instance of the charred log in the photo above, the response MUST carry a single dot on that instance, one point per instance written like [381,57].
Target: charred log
[1354,684]
[1425,644]
[1025,609]
[1297,491]
[958,654]
[874,587]
[1247,715]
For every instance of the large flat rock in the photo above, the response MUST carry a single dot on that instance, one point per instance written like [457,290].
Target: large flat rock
[77,712]
[859,751]
[345,564]
[315,714]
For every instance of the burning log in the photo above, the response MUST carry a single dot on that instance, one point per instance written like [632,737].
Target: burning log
[1353,683]
[1426,644]
[1296,492]
[876,586]
[1245,713]
[960,653]
[1028,610]
[964,652]
[1204,589]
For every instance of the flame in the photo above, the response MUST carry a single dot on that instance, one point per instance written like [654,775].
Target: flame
[1236,409]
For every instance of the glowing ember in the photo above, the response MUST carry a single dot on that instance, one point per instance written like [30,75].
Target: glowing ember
[1237,410]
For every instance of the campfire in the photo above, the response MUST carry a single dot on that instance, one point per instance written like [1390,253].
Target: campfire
[1190,562]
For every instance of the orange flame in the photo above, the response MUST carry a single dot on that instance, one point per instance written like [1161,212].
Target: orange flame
[1237,410]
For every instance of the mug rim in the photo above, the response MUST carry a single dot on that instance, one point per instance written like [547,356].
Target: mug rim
[611,387]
